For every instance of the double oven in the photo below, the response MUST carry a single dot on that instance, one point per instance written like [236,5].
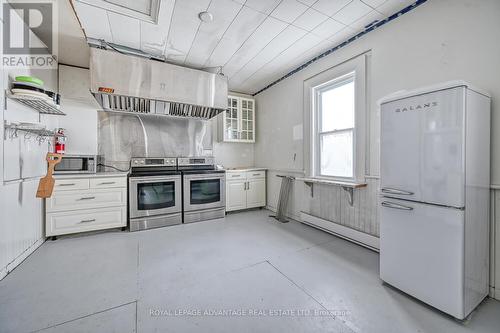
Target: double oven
[169,191]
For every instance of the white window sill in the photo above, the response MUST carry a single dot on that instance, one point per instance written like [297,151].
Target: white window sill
[347,184]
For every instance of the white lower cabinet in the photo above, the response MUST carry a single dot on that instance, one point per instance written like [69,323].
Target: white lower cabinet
[68,222]
[256,193]
[245,189]
[86,204]
[236,197]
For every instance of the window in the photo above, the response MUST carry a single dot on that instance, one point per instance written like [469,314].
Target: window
[335,104]
[335,122]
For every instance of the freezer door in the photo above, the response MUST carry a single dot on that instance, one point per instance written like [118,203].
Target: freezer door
[422,252]
[422,148]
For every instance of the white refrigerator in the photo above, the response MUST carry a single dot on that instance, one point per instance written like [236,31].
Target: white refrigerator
[434,195]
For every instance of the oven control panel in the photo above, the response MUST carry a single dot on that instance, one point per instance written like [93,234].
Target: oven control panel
[191,161]
[152,161]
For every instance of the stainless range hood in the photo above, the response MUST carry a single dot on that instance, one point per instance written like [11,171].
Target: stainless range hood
[129,83]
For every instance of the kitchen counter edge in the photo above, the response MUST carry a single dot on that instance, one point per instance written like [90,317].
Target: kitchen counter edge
[246,169]
[91,175]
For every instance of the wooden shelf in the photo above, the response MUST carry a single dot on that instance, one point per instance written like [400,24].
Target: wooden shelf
[348,187]
[36,103]
[332,182]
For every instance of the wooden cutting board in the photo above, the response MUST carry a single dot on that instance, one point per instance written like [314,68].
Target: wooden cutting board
[46,185]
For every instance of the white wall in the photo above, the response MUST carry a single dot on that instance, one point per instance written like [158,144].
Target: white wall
[234,155]
[22,162]
[81,108]
[439,41]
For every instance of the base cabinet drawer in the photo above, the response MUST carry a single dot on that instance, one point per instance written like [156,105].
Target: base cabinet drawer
[60,223]
[86,199]
[108,182]
[71,184]
[236,175]
[256,174]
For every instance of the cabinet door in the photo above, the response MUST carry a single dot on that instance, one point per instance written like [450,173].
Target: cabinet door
[247,120]
[236,196]
[256,193]
[231,119]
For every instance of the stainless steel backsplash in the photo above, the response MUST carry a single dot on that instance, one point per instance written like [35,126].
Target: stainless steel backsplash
[122,136]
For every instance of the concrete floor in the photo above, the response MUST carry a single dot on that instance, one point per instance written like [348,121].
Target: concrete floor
[230,275]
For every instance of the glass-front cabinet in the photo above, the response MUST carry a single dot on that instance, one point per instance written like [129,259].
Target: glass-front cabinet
[237,123]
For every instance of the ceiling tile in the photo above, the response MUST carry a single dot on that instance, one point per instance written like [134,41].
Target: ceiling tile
[125,30]
[285,61]
[154,36]
[310,19]
[328,28]
[267,76]
[94,21]
[374,3]
[313,52]
[264,6]
[368,19]
[308,2]
[342,35]
[185,23]
[266,32]
[286,38]
[393,6]
[330,7]
[352,12]
[245,23]
[289,10]
[209,34]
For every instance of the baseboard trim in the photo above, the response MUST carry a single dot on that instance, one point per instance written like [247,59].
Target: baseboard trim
[492,292]
[16,262]
[355,236]
[495,293]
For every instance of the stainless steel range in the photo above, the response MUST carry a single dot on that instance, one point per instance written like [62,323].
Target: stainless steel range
[203,189]
[155,193]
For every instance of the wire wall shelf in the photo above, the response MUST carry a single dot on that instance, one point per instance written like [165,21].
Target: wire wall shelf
[30,130]
[35,103]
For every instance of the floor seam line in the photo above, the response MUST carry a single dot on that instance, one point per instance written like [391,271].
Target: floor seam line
[136,316]
[247,266]
[86,316]
[308,294]
[295,284]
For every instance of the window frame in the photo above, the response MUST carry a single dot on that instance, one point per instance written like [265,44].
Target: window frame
[355,67]
[318,133]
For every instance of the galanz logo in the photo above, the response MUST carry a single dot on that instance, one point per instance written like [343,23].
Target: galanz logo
[417,107]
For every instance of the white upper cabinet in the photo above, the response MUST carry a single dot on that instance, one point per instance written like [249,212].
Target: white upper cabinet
[237,123]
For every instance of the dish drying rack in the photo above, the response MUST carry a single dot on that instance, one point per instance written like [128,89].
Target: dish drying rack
[30,130]
[35,103]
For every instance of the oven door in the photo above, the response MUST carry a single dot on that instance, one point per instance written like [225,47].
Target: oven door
[149,196]
[204,191]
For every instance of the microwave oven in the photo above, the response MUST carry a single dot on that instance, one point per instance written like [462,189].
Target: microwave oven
[77,164]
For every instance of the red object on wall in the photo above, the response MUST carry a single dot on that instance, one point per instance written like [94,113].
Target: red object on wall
[60,144]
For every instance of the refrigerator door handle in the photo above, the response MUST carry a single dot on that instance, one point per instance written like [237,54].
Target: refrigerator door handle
[389,190]
[395,206]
